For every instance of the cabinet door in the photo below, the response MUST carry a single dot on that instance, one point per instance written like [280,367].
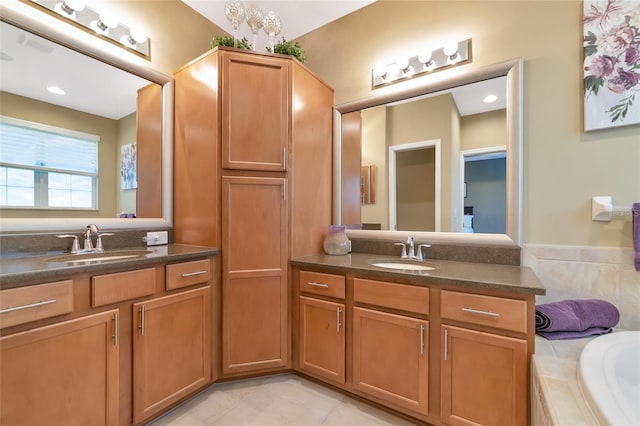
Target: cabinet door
[484,378]
[62,374]
[256,100]
[321,334]
[390,358]
[171,349]
[254,274]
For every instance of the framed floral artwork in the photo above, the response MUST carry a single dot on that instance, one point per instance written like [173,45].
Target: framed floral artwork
[128,166]
[611,63]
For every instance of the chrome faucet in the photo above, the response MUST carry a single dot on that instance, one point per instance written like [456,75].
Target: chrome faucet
[412,253]
[88,243]
[89,231]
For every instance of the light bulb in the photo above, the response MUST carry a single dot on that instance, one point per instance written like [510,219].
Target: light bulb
[402,63]
[425,57]
[136,36]
[380,70]
[450,49]
[69,8]
[490,98]
[107,20]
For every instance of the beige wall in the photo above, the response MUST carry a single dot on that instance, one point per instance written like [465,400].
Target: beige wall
[484,130]
[563,166]
[41,112]
[430,119]
[178,33]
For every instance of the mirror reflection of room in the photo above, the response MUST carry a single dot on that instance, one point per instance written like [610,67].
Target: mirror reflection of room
[118,175]
[440,160]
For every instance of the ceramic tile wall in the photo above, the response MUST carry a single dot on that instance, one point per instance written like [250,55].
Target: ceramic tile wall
[575,272]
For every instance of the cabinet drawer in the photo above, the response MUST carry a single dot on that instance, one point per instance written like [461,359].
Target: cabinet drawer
[323,284]
[188,273]
[113,288]
[26,304]
[391,295]
[507,314]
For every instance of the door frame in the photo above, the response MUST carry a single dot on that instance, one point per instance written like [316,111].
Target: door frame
[487,153]
[413,146]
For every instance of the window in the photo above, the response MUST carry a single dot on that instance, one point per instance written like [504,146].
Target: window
[46,167]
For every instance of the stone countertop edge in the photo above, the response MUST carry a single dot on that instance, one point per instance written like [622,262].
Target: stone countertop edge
[26,269]
[516,279]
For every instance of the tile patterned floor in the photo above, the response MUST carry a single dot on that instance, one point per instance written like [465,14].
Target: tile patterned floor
[282,400]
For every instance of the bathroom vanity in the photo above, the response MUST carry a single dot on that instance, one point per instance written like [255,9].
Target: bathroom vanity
[110,341]
[450,345]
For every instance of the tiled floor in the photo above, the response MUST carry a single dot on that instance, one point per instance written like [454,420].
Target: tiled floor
[276,401]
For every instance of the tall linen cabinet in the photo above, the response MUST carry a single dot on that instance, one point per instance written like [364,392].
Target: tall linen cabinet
[253,176]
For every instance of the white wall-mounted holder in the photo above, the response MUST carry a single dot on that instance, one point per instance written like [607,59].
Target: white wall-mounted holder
[602,209]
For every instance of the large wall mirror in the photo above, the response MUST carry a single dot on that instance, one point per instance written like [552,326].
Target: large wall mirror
[112,96]
[438,164]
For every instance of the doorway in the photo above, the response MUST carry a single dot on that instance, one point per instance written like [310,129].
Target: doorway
[414,186]
[483,174]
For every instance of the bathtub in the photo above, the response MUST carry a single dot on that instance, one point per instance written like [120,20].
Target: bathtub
[609,378]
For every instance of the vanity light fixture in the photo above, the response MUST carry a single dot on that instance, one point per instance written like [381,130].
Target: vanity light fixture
[101,23]
[451,54]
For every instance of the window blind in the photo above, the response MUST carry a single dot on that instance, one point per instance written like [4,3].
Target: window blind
[36,146]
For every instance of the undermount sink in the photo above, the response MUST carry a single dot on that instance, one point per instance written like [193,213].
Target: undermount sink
[403,264]
[99,256]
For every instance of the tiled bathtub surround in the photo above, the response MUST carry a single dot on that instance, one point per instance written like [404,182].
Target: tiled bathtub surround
[556,398]
[574,272]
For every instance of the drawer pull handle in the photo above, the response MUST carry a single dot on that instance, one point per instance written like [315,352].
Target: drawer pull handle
[318,285]
[191,274]
[31,305]
[487,313]
[338,323]
[421,339]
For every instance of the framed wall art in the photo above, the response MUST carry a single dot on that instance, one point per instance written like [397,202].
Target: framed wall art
[611,30]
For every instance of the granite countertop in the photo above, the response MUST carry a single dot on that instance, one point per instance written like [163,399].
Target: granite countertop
[463,274]
[21,270]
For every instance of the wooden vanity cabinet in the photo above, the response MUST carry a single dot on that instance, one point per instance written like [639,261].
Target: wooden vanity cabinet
[484,373]
[61,374]
[92,365]
[321,326]
[253,176]
[390,350]
[171,350]
[440,355]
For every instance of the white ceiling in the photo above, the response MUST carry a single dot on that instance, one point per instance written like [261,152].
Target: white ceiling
[30,63]
[298,17]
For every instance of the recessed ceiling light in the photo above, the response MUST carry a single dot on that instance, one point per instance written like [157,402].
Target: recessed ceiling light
[56,90]
[490,98]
